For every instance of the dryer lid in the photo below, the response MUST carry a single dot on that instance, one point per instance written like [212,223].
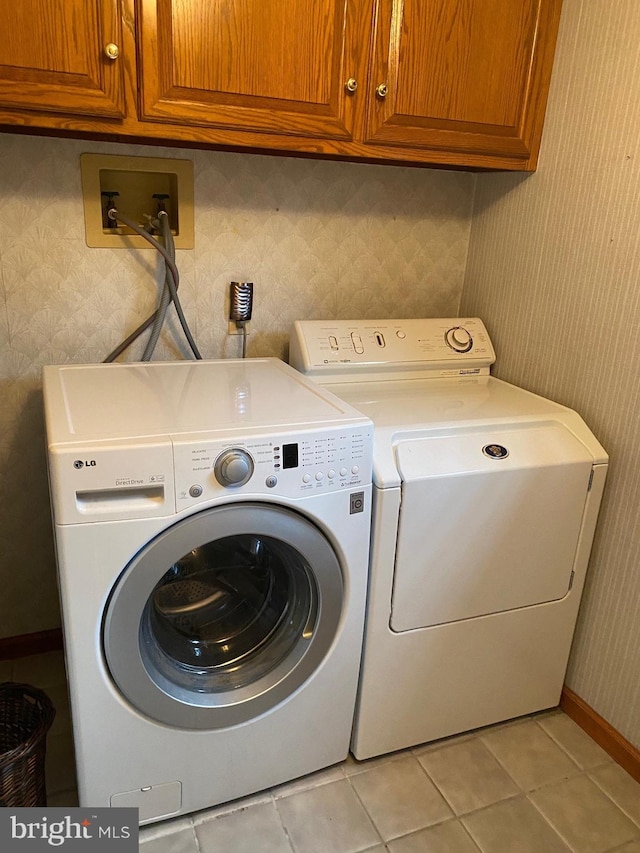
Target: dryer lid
[488,448]
[489,521]
[408,410]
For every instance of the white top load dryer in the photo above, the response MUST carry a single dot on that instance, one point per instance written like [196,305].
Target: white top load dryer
[485,505]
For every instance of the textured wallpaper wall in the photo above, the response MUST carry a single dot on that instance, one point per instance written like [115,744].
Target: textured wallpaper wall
[319,239]
[554,268]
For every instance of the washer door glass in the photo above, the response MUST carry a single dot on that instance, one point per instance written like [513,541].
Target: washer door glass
[223,615]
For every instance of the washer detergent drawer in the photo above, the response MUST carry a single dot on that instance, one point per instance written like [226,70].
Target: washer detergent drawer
[489,521]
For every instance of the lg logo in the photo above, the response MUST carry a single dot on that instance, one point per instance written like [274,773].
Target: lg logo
[89,463]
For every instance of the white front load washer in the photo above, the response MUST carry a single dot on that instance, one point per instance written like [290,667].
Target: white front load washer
[485,502]
[212,531]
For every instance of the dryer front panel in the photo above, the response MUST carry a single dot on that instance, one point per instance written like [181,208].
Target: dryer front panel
[489,522]
[223,616]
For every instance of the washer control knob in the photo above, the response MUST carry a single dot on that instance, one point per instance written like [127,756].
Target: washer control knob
[459,339]
[233,467]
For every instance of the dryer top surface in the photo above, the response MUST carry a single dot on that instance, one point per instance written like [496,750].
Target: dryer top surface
[408,409]
[415,404]
[97,402]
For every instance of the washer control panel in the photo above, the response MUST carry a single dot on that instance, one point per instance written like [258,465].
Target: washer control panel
[339,348]
[320,461]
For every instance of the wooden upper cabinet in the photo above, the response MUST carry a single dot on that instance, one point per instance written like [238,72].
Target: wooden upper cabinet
[461,75]
[459,83]
[265,66]
[53,56]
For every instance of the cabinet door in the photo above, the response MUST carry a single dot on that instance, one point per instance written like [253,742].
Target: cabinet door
[462,75]
[53,56]
[260,65]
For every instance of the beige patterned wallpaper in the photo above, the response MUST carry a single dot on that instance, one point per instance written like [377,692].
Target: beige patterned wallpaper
[554,268]
[319,239]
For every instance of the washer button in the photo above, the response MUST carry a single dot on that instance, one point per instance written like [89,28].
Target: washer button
[343,472]
[355,469]
[306,478]
[271,482]
[319,476]
[195,491]
[332,474]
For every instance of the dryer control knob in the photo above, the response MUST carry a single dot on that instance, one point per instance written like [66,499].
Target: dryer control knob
[459,339]
[233,467]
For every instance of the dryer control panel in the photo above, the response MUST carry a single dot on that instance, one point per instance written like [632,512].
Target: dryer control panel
[341,349]
[291,465]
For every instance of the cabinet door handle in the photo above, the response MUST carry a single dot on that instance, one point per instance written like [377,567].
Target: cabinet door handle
[351,85]
[382,90]
[111,50]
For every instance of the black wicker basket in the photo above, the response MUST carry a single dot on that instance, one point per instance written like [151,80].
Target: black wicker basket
[26,714]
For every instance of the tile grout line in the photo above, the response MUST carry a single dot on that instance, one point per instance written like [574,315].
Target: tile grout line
[436,786]
[468,834]
[195,835]
[621,847]
[609,797]
[562,747]
[371,820]
[282,824]
[548,822]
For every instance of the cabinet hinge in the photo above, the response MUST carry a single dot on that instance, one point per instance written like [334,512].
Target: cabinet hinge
[590,479]
[573,574]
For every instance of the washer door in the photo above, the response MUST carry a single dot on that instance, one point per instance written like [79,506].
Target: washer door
[223,615]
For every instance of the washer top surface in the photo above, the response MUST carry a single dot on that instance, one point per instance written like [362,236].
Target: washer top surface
[119,401]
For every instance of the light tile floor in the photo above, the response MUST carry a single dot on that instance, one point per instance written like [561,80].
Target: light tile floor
[535,785]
